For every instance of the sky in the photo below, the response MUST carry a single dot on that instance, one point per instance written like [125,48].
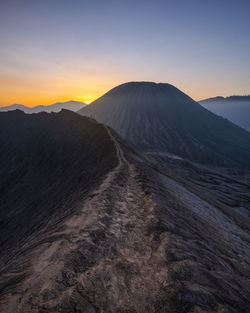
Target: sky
[60,50]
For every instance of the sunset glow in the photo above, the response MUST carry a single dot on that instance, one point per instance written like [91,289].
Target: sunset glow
[80,51]
[124,156]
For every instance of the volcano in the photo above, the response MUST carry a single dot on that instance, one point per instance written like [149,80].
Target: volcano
[159,118]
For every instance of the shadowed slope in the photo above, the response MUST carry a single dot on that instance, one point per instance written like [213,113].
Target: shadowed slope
[48,162]
[160,118]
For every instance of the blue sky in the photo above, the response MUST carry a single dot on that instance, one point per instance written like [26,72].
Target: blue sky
[58,50]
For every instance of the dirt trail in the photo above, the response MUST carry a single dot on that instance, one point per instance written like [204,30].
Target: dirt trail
[97,248]
[135,245]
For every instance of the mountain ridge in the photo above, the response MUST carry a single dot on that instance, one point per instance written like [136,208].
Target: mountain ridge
[55,107]
[234,108]
[234,97]
[158,117]
[94,227]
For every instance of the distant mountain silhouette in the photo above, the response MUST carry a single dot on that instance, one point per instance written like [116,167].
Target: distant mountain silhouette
[56,107]
[234,108]
[160,118]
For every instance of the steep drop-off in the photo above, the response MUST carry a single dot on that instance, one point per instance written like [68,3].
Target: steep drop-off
[47,163]
[160,118]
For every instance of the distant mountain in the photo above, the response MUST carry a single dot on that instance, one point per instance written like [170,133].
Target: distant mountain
[89,225]
[56,107]
[159,118]
[234,108]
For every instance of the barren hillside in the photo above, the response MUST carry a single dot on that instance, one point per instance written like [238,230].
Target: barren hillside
[136,241]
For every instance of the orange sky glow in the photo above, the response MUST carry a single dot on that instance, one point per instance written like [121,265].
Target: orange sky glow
[54,51]
[32,92]
[41,91]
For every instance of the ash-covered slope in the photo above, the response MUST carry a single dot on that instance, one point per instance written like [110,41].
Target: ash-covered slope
[47,163]
[234,108]
[161,118]
[105,231]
